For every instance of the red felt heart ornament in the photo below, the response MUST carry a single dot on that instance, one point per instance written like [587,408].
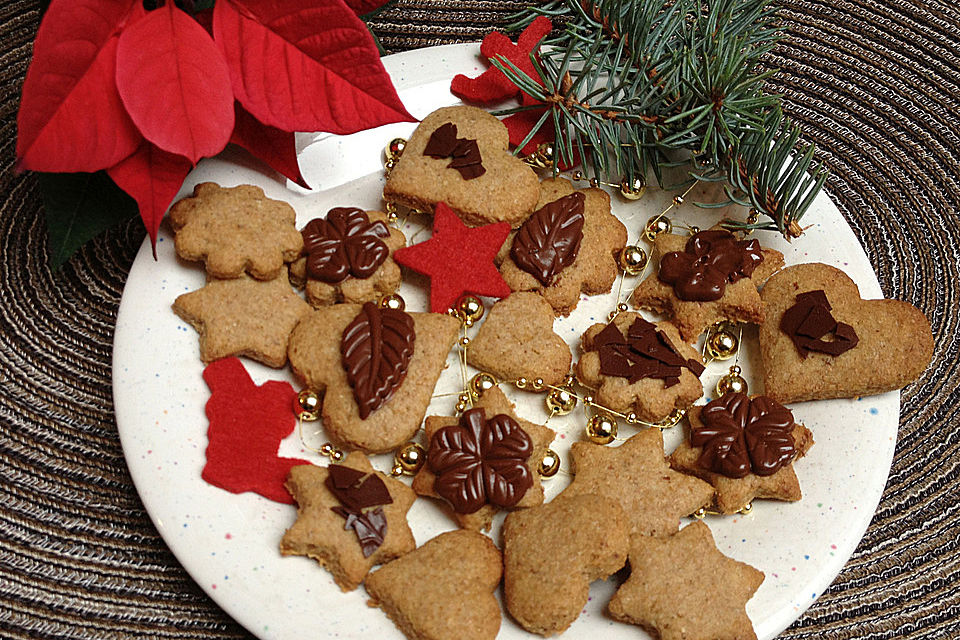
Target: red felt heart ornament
[71,118]
[175,84]
[340,84]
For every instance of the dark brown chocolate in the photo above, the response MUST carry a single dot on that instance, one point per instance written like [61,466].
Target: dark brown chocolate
[480,461]
[344,244]
[645,352]
[710,260]
[370,527]
[465,153]
[740,435]
[812,327]
[549,240]
[375,349]
[362,496]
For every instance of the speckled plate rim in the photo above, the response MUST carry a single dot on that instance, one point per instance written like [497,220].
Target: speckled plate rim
[228,543]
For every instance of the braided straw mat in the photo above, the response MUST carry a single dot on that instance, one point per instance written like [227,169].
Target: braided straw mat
[875,83]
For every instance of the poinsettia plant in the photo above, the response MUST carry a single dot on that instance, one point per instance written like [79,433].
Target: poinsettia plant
[125,96]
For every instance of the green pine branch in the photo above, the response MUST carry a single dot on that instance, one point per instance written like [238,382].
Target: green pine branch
[640,86]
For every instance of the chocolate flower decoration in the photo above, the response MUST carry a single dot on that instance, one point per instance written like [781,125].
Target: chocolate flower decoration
[709,260]
[344,244]
[740,435]
[481,461]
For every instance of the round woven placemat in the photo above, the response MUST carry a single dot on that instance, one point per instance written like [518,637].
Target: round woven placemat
[874,83]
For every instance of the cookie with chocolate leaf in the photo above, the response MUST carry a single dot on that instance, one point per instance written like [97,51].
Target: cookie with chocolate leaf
[349,518]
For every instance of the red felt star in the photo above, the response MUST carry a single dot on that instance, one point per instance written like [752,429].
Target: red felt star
[247,423]
[458,259]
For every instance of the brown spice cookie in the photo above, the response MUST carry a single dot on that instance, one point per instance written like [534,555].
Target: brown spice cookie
[383,281]
[322,534]
[653,496]
[594,268]
[894,340]
[682,588]
[733,493]
[516,340]
[316,358]
[234,230]
[442,590]
[243,317]
[650,398]
[552,553]
[493,402]
[740,300]
[505,192]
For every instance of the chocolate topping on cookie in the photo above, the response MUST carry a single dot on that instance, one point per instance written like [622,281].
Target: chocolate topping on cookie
[345,244]
[550,239]
[480,461]
[362,495]
[710,260]
[444,143]
[809,322]
[741,434]
[643,353]
[375,350]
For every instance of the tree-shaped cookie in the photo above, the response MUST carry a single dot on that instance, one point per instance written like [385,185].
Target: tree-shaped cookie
[682,588]
[349,518]
[235,229]
[444,589]
[653,496]
[375,368]
[516,340]
[705,278]
[348,257]
[481,462]
[640,366]
[243,317]
[745,447]
[567,247]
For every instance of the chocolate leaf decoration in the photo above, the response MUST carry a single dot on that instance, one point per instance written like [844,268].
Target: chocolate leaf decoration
[356,490]
[444,143]
[344,244]
[645,352]
[375,349]
[549,240]
[740,435]
[370,527]
[479,461]
[811,326]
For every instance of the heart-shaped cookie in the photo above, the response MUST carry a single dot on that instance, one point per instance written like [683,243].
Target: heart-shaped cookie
[517,341]
[890,347]
[498,188]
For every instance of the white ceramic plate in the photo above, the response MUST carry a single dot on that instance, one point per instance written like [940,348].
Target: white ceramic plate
[228,543]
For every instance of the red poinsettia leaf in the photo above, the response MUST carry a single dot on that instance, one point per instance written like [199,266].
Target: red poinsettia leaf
[316,69]
[152,177]
[363,7]
[175,84]
[71,118]
[274,146]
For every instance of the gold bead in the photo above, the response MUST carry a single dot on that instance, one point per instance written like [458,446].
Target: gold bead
[461,407]
[594,182]
[396,471]
[392,301]
[395,148]
[632,418]
[577,175]
[521,383]
[308,405]
[753,217]
[410,457]
[693,229]
[464,341]
[588,400]
[678,200]
[746,509]
[464,396]
[569,380]
[481,383]
[700,513]
[549,464]
[537,384]
[326,449]
[542,158]
[722,343]
[622,306]
[671,420]
[469,308]
[390,164]
[601,429]
[612,315]
[655,226]
[336,455]
[633,189]
[632,260]
[561,401]
[731,383]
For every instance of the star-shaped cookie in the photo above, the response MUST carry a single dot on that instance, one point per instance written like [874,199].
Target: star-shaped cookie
[740,301]
[234,230]
[320,533]
[457,259]
[444,589]
[493,402]
[732,494]
[654,497]
[594,268]
[651,398]
[243,317]
[682,588]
